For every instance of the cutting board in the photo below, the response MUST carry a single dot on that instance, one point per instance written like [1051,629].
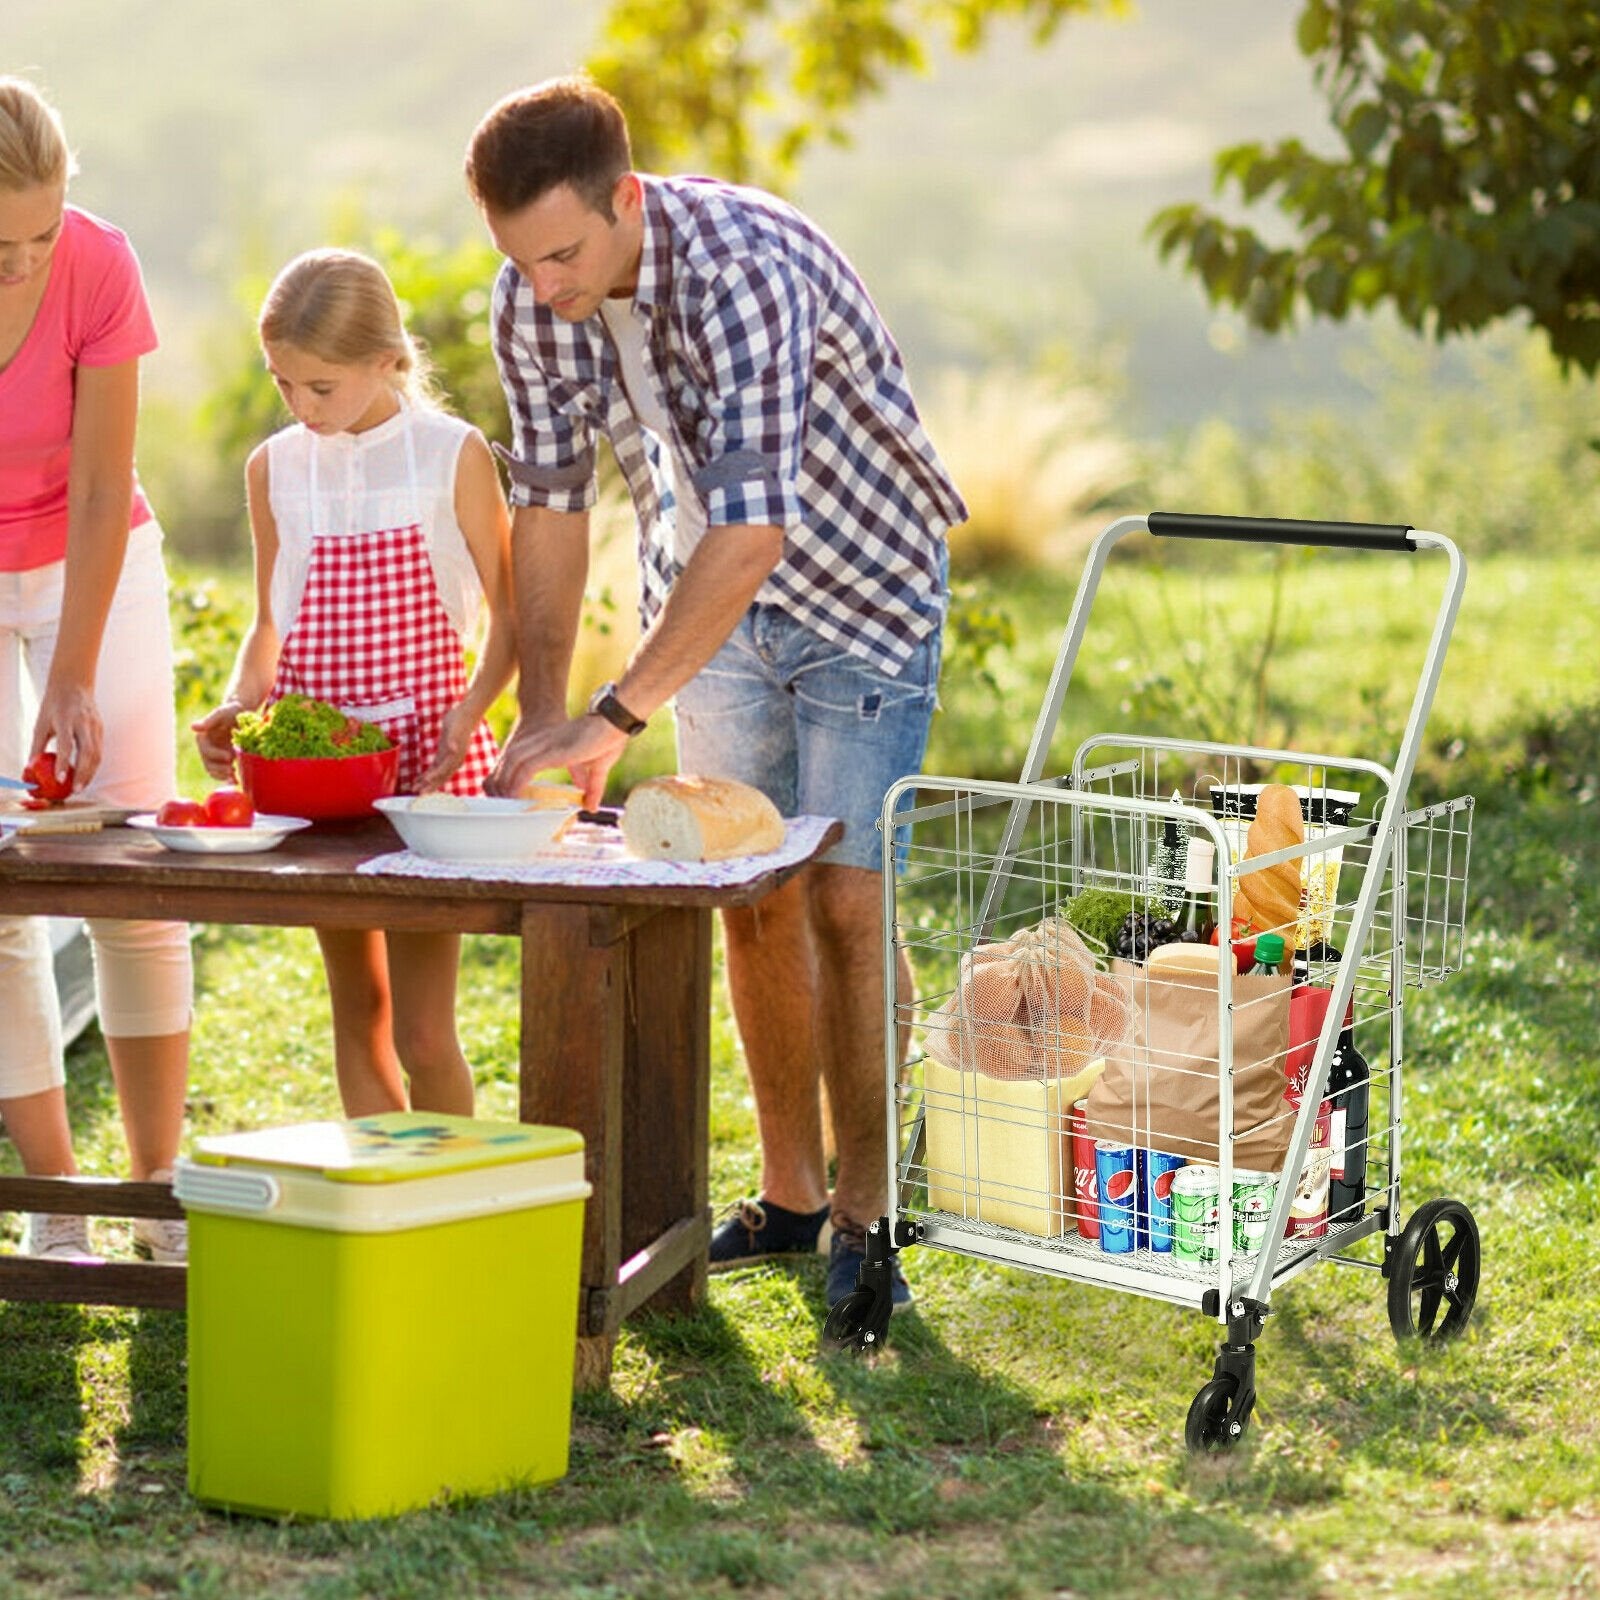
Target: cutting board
[71,816]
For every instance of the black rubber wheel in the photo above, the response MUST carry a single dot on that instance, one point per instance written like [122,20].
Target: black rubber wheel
[1433,1273]
[850,1319]
[1208,1428]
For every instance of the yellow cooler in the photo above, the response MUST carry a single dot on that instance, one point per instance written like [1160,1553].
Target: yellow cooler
[380,1311]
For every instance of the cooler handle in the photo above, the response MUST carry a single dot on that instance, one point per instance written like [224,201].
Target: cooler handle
[1282,530]
[225,1188]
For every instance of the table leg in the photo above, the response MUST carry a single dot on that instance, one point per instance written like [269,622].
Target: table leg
[572,1051]
[665,1178]
[616,1042]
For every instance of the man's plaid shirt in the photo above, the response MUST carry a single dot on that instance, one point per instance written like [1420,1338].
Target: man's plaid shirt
[787,397]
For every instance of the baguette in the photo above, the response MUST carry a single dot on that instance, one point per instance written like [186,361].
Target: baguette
[686,818]
[1271,898]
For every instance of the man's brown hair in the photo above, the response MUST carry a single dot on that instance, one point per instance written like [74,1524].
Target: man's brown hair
[566,130]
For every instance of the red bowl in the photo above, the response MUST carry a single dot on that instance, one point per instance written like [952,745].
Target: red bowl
[322,788]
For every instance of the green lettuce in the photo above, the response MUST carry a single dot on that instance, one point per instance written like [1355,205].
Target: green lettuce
[297,726]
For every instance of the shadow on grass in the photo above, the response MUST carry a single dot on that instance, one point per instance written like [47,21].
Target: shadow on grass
[824,1460]
[41,1415]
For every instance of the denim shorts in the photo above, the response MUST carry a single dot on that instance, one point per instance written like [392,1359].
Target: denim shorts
[819,731]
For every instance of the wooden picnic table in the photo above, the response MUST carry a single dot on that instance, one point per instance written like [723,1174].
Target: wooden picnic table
[615,1036]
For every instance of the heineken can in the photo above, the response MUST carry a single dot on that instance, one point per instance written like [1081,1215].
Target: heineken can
[1196,1214]
[1253,1194]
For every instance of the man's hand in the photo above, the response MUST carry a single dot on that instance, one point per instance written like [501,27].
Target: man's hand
[588,747]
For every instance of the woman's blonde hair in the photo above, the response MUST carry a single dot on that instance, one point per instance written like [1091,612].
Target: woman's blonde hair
[33,144]
[339,306]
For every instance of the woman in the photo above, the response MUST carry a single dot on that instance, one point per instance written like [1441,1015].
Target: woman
[83,612]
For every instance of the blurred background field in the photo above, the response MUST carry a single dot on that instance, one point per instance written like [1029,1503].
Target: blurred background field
[1020,1438]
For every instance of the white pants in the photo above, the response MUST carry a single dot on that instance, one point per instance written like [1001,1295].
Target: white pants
[144,978]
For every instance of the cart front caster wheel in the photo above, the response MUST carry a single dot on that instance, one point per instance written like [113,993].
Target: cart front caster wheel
[859,1322]
[1433,1273]
[1216,1422]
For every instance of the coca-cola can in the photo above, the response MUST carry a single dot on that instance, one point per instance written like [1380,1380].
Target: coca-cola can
[1085,1187]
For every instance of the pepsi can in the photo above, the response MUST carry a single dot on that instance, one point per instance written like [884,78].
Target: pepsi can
[1118,1183]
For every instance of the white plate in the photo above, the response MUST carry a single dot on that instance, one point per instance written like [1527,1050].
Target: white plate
[266,833]
[486,829]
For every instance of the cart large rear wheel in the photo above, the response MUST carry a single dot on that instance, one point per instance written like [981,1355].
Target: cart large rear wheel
[1209,1427]
[1433,1273]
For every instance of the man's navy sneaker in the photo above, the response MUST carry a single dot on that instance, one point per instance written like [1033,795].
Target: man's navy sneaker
[845,1256]
[757,1229]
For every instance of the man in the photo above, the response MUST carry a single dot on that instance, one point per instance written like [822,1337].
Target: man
[792,573]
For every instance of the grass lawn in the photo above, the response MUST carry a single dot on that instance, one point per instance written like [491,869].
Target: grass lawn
[1018,1437]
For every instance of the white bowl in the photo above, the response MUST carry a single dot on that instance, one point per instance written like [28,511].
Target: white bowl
[485,829]
[267,832]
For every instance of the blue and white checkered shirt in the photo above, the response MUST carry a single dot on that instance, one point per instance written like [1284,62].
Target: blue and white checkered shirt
[787,398]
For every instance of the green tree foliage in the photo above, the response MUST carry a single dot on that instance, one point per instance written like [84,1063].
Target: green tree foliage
[744,87]
[1468,188]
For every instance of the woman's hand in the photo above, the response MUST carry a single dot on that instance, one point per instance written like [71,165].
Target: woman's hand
[214,737]
[69,720]
[455,739]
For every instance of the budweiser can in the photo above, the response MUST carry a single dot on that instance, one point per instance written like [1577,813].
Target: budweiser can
[1085,1188]
[1308,1211]
[1157,1170]
[1196,1214]
[1119,1184]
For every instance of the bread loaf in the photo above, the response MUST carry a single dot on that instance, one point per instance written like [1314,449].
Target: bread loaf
[1182,957]
[1270,898]
[685,818]
[551,796]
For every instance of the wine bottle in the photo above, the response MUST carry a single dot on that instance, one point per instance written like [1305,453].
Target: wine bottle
[1349,1087]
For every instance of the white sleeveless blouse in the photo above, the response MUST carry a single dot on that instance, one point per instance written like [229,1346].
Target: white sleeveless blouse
[363,484]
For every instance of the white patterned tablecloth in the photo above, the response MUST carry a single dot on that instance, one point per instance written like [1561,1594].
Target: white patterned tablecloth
[593,854]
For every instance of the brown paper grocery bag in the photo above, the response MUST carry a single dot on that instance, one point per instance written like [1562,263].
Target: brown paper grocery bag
[1159,1090]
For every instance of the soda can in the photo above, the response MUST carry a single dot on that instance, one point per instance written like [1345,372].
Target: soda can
[1085,1188]
[1157,1170]
[1141,1209]
[1118,1184]
[1196,1214]
[1308,1211]
[1253,1194]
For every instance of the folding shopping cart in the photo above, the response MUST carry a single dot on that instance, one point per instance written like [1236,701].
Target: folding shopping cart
[1053,1094]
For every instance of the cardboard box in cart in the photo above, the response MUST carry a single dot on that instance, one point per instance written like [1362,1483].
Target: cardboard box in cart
[380,1311]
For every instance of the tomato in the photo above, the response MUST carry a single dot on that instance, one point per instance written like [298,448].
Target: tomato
[1244,944]
[48,784]
[181,814]
[229,808]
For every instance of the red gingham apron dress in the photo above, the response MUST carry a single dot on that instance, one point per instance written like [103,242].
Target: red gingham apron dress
[373,637]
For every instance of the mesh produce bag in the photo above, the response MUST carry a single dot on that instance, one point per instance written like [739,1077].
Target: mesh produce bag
[1031,1006]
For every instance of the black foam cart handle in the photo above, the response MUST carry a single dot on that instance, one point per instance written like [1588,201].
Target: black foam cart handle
[1282,530]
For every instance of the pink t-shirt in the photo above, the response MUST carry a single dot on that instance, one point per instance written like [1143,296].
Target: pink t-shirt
[93,314]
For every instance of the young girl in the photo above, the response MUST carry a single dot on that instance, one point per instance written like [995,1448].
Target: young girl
[379,524]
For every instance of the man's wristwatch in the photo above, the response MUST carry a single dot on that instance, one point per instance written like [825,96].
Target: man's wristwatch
[604,703]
